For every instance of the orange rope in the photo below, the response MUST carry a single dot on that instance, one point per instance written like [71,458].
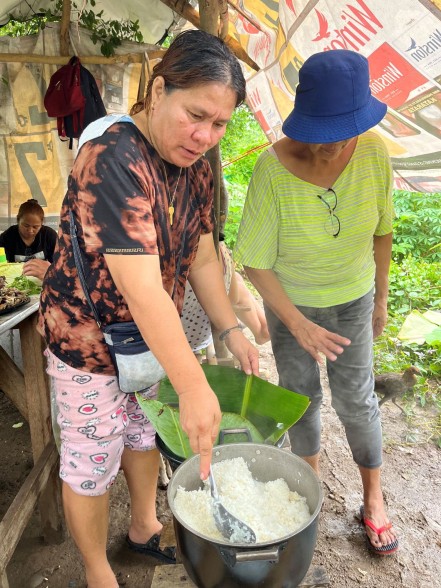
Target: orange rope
[245,154]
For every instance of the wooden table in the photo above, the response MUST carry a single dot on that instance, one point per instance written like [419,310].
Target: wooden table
[29,391]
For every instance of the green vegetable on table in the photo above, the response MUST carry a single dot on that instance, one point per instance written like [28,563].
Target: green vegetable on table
[25,284]
[13,273]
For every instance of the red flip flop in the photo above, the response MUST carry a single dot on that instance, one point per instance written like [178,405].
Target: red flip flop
[383,549]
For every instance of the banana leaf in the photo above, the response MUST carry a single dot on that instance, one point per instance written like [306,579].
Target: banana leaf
[269,409]
[421,328]
[165,420]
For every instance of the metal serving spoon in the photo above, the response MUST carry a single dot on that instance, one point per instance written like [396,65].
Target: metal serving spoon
[230,526]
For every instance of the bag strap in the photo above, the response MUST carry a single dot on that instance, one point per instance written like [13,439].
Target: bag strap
[184,232]
[80,265]
[98,127]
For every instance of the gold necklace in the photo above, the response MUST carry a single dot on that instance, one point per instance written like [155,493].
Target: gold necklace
[171,198]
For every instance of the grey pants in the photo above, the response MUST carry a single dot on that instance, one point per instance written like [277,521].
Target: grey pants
[350,377]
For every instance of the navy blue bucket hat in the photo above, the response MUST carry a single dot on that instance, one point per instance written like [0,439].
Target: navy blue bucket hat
[333,100]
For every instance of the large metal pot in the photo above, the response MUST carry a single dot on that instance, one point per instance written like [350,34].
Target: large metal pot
[278,564]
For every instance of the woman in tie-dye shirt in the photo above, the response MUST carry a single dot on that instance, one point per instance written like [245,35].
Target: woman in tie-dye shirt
[141,192]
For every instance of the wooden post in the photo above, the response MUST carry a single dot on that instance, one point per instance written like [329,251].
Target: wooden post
[39,417]
[224,200]
[209,22]
[64,28]
[209,16]
[213,157]
[186,10]
[12,383]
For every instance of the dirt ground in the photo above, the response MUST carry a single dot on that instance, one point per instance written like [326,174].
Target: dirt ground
[411,479]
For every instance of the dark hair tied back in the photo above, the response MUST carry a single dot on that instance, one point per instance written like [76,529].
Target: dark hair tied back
[31,206]
[195,58]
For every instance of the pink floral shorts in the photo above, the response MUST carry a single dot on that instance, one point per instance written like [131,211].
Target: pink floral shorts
[97,421]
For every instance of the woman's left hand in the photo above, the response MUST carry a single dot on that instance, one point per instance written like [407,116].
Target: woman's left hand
[36,268]
[245,352]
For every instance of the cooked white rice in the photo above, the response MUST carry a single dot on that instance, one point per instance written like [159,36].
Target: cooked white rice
[271,509]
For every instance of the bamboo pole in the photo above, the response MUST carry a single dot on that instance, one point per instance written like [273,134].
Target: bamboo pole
[90,59]
[246,16]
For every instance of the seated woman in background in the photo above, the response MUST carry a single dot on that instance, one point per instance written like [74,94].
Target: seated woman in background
[29,241]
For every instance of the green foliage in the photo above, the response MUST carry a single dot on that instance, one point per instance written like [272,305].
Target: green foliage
[417,226]
[243,134]
[109,34]
[17,28]
[414,284]
[165,419]
[237,194]
[391,355]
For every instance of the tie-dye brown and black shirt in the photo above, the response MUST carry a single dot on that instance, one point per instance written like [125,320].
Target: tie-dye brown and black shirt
[118,195]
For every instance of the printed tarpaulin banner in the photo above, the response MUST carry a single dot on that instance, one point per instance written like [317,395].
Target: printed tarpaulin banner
[34,162]
[401,40]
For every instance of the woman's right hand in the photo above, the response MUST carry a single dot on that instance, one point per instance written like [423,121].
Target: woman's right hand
[36,268]
[200,417]
[316,340]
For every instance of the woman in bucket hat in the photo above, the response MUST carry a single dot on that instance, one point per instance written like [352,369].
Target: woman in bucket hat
[315,240]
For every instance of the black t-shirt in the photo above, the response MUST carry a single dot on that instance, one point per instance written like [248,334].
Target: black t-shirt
[17,250]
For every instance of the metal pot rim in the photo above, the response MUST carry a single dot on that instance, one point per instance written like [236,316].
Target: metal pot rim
[255,547]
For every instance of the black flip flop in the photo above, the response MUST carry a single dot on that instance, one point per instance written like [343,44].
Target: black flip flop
[166,555]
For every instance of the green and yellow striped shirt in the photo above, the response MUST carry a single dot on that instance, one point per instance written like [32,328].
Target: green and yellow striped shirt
[283,226]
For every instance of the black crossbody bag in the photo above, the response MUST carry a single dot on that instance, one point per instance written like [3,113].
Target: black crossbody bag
[136,367]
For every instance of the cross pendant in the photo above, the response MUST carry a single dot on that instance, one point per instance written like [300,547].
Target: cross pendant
[171,211]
